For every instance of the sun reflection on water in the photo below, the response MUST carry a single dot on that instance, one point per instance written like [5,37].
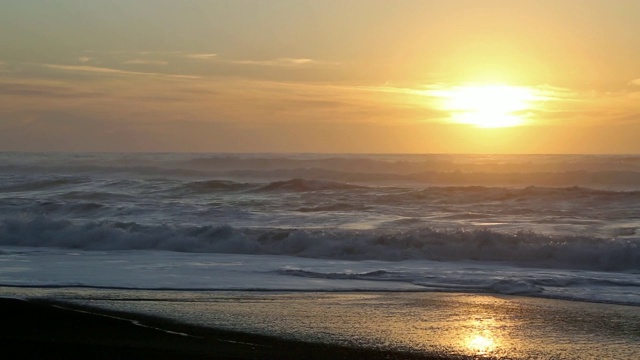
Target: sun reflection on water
[486,329]
[481,344]
[482,336]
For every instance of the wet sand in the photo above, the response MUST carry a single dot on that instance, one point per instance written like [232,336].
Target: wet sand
[37,329]
[167,324]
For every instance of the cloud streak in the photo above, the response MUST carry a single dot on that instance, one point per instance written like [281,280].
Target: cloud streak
[44,91]
[202,56]
[280,62]
[145,62]
[104,70]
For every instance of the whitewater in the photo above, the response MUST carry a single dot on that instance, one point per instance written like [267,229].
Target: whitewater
[554,226]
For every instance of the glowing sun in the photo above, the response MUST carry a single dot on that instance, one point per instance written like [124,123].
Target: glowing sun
[488,106]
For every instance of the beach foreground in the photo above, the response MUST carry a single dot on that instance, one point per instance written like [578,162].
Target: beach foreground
[120,323]
[42,330]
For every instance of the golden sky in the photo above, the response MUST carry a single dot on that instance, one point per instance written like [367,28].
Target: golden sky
[372,76]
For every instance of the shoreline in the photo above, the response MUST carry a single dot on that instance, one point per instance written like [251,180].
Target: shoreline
[58,330]
[170,325]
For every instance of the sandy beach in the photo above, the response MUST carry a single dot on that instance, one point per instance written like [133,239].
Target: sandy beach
[43,330]
[108,323]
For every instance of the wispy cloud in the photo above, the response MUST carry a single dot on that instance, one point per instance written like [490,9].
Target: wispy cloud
[438,90]
[84,59]
[145,62]
[635,82]
[103,70]
[202,56]
[44,90]
[279,62]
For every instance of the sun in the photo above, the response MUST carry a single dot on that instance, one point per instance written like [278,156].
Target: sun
[487,106]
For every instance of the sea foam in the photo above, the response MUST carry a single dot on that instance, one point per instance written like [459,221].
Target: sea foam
[521,248]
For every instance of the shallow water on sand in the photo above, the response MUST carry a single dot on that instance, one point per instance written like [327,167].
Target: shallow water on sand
[448,324]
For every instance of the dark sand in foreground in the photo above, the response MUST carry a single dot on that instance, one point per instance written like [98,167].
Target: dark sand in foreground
[39,330]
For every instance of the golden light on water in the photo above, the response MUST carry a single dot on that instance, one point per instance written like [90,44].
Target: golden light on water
[488,106]
[483,336]
[481,344]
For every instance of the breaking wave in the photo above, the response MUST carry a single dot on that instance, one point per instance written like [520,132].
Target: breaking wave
[520,248]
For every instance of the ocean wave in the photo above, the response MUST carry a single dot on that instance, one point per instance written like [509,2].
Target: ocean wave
[20,185]
[483,194]
[412,164]
[70,168]
[301,185]
[83,208]
[522,248]
[465,280]
[96,196]
[515,287]
[216,185]
[363,164]
[339,207]
[76,208]
[453,171]
[375,275]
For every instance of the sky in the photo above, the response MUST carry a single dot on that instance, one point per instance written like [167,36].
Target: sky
[334,76]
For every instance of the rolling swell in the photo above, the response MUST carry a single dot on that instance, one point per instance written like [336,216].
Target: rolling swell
[216,185]
[520,248]
[293,185]
[301,185]
[517,171]
[475,194]
[337,207]
[41,184]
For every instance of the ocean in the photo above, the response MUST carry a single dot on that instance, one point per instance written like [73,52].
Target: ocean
[541,227]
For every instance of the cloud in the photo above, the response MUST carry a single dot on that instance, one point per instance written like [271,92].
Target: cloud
[44,90]
[84,59]
[279,62]
[145,62]
[103,70]
[635,82]
[202,56]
